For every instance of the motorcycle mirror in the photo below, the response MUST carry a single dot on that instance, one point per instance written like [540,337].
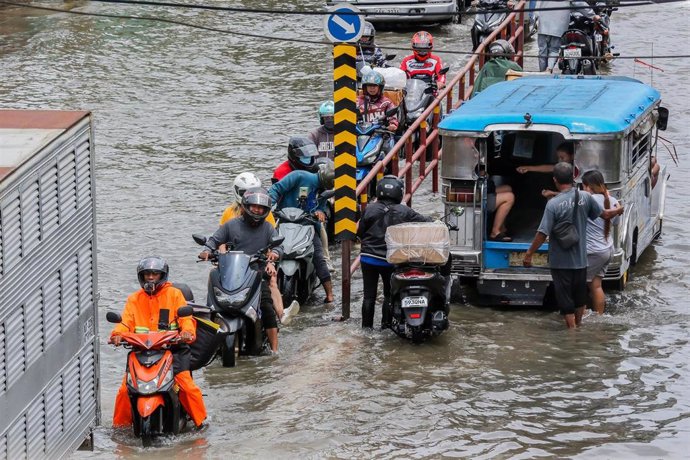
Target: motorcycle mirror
[390,57]
[113,317]
[183,312]
[444,70]
[199,239]
[662,122]
[276,242]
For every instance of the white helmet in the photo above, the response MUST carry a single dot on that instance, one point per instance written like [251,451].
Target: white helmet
[243,182]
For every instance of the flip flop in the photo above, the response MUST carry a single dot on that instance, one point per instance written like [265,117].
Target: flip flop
[502,237]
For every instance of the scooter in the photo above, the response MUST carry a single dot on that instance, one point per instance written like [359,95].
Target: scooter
[374,141]
[296,272]
[493,13]
[420,298]
[234,295]
[420,92]
[156,408]
[576,56]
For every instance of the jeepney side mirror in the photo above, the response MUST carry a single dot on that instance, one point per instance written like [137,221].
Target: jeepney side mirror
[662,121]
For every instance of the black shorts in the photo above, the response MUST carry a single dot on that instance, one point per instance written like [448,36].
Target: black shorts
[570,286]
[268,314]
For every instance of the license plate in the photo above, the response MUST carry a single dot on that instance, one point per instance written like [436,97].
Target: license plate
[598,38]
[386,10]
[538,260]
[419,301]
[572,53]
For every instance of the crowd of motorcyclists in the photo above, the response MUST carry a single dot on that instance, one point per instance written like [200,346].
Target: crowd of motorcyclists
[249,225]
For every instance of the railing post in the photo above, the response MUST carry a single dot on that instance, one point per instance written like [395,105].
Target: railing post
[520,40]
[395,167]
[461,95]
[422,142]
[449,98]
[434,148]
[408,173]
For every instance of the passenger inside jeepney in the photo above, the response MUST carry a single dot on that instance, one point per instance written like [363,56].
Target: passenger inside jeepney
[565,152]
[499,202]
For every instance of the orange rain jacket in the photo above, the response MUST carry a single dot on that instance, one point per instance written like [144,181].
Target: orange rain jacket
[143,310]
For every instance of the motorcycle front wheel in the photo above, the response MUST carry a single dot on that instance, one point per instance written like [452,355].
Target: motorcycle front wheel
[230,354]
[146,432]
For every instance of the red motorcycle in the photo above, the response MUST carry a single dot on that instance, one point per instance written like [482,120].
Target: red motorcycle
[156,408]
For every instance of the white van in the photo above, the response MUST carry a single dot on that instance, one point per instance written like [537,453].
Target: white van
[410,11]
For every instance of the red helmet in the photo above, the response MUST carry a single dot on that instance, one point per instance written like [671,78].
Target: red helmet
[422,44]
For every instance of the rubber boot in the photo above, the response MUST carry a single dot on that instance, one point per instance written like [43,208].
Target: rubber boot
[385,315]
[368,308]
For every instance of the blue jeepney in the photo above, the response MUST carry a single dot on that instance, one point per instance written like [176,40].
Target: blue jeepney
[612,123]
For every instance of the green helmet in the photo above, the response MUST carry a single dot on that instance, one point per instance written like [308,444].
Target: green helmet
[374,78]
[327,109]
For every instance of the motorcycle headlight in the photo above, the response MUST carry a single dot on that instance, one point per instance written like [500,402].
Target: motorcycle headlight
[146,388]
[225,300]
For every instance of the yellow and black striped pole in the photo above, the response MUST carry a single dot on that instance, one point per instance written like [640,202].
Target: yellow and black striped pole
[345,141]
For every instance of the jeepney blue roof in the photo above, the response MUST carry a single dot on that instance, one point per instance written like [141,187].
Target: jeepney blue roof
[590,105]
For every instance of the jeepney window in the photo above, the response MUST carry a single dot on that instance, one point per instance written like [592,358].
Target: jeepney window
[460,157]
[641,146]
[603,155]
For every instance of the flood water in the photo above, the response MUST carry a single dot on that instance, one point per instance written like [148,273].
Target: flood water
[180,111]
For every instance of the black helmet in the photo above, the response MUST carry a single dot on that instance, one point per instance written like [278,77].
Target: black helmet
[152,264]
[256,195]
[368,35]
[301,153]
[390,188]
[501,48]
[326,172]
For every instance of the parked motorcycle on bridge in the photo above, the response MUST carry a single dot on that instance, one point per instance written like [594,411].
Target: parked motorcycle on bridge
[296,272]
[234,294]
[156,408]
[577,54]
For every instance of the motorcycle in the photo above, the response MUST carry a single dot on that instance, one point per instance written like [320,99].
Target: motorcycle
[296,273]
[151,388]
[420,298]
[374,141]
[420,92]
[234,295]
[493,13]
[577,54]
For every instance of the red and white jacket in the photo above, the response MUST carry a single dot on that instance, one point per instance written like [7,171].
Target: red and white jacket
[428,67]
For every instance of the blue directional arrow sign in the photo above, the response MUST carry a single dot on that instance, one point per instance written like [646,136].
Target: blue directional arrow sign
[344,24]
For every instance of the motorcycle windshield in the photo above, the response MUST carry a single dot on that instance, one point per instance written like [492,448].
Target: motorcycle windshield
[414,97]
[368,149]
[234,270]
[365,127]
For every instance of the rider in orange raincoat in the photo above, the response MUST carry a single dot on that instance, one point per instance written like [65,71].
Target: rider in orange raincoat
[157,301]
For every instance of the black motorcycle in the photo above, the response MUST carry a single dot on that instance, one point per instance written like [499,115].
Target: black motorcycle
[234,295]
[420,298]
[493,13]
[577,55]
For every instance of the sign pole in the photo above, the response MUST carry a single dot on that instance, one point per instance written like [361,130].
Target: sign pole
[343,27]
[345,141]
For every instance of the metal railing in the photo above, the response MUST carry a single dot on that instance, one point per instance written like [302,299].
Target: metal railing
[511,29]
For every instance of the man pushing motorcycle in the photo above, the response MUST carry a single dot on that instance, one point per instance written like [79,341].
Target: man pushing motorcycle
[155,306]
[249,233]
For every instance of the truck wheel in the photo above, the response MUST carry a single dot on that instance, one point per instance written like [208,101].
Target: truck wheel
[622,281]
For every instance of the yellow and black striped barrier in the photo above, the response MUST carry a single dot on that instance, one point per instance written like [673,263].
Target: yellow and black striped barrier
[345,140]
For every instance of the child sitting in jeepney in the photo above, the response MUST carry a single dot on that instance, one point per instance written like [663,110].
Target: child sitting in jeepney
[565,153]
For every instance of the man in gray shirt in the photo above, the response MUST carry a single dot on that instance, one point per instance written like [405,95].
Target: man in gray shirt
[568,266]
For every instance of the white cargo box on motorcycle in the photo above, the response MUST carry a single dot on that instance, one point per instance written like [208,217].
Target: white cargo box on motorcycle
[395,78]
[418,242]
